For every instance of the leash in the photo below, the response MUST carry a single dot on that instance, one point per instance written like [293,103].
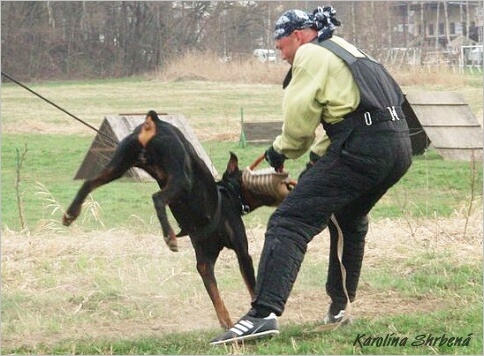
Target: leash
[57,106]
[339,253]
[290,182]
[257,162]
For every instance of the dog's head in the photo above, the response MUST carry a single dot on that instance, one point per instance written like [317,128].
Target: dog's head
[251,198]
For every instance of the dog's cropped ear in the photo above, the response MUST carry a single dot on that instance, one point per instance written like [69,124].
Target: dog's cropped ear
[233,164]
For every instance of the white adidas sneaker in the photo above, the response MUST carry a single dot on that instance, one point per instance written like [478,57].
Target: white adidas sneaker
[248,328]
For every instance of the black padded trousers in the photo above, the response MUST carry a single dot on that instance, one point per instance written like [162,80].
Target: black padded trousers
[359,167]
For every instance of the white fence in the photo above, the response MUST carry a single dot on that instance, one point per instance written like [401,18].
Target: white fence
[471,58]
[459,59]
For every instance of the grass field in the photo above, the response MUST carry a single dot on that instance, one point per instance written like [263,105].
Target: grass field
[108,285]
[432,187]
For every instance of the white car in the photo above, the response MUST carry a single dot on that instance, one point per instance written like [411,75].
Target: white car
[265,55]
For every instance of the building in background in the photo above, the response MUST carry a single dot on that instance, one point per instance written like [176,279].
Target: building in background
[438,32]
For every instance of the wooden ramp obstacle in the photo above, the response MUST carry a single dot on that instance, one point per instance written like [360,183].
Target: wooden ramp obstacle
[261,132]
[116,127]
[445,121]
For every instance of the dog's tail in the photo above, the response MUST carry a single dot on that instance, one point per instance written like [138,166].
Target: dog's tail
[153,115]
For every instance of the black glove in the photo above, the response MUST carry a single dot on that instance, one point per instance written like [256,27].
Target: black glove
[274,158]
[313,157]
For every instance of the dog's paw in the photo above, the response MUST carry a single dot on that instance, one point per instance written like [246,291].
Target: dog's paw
[67,219]
[173,248]
[172,242]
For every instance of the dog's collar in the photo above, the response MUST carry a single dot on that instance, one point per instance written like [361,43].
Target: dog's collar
[244,208]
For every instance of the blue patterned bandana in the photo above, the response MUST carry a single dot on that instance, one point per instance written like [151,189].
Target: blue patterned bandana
[292,20]
[325,22]
[322,19]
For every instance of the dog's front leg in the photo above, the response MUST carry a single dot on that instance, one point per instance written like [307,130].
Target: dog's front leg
[168,233]
[246,269]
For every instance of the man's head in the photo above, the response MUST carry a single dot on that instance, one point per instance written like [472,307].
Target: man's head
[293,29]
[296,27]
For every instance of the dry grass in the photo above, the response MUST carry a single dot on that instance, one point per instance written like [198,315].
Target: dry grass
[119,283]
[208,66]
[194,65]
[427,76]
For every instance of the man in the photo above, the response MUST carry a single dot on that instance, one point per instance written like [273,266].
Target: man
[365,151]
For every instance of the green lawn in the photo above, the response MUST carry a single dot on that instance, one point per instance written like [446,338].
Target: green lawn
[432,187]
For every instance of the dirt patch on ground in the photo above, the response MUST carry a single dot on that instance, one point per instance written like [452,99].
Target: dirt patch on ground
[121,284]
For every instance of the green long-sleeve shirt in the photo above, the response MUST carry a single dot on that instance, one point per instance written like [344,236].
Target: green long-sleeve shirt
[322,86]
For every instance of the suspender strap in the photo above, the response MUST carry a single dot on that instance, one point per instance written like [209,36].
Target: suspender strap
[339,51]
[372,109]
[343,53]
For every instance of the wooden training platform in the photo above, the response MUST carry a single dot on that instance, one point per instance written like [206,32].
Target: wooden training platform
[116,127]
[445,121]
[261,132]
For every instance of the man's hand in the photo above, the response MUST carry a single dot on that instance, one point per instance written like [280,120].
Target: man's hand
[275,159]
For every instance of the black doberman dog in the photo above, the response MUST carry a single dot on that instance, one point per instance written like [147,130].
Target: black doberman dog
[208,211]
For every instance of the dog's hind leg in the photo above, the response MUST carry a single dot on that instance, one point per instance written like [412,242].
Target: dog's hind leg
[205,267]
[168,233]
[123,158]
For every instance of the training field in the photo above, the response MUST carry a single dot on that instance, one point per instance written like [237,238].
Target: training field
[109,285]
